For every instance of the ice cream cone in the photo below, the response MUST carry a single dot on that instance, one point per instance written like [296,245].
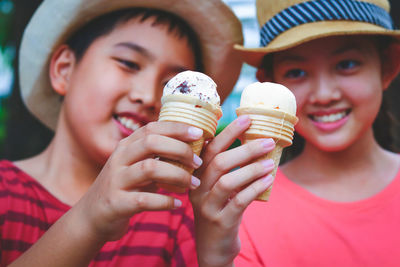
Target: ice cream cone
[269,123]
[192,111]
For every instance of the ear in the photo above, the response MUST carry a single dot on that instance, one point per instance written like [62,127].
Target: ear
[390,61]
[62,63]
[262,76]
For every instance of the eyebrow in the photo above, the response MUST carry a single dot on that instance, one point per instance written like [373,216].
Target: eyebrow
[341,50]
[146,53]
[137,48]
[346,48]
[290,58]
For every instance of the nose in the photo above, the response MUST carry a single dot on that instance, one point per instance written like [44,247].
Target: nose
[325,90]
[147,93]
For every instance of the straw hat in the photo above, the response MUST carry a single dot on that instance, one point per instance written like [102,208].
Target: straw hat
[288,23]
[217,28]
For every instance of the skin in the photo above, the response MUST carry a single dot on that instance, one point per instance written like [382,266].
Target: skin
[329,76]
[222,197]
[107,171]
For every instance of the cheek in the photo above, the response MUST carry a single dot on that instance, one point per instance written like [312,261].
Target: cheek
[301,96]
[300,91]
[365,93]
[367,106]
[100,87]
[90,103]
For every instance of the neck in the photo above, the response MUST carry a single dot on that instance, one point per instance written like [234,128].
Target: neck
[357,172]
[63,168]
[363,152]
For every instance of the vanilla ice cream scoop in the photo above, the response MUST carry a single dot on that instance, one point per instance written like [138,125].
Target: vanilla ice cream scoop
[195,84]
[272,111]
[269,95]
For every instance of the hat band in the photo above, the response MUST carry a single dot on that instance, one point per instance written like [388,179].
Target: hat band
[323,10]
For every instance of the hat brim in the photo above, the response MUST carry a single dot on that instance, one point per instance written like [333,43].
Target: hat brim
[217,27]
[308,32]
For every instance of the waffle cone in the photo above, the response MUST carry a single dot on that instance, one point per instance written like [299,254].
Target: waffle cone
[275,155]
[194,112]
[269,123]
[196,146]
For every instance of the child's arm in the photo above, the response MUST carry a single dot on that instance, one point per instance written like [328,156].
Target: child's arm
[124,187]
[222,197]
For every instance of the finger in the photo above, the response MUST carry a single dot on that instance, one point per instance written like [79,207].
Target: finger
[239,156]
[236,206]
[226,138]
[145,172]
[176,130]
[134,202]
[234,181]
[160,146]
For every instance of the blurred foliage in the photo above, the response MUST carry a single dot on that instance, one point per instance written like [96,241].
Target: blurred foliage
[6,61]
[3,116]
[6,13]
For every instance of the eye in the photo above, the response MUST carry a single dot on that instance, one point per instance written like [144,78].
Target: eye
[295,74]
[347,65]
[130,65]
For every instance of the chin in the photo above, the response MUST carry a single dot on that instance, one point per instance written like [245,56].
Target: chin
[333,149]
[333,146]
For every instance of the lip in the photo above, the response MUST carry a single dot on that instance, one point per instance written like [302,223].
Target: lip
[329,126]
[135,117]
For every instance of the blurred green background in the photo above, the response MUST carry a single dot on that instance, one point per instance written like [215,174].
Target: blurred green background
[7,49]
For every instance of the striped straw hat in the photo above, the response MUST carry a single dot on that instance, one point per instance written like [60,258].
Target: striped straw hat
[288,23]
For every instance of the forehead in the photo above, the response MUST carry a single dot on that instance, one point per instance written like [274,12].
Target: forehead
[152,42]
[331,46]
[146,34]
[143,25]
[157,38]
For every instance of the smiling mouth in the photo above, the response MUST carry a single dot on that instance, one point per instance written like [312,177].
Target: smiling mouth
[329,118]
[129,123]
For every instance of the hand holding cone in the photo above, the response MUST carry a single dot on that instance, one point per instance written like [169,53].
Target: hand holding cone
[272,110]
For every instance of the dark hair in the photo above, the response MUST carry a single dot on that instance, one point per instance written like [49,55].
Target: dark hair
[102,25]
[385,126]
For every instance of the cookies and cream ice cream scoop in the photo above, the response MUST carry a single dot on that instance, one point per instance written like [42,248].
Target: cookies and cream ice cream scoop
[191,97]
[194,84]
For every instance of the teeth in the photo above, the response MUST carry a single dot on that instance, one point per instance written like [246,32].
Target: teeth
[329,118]
[129,123]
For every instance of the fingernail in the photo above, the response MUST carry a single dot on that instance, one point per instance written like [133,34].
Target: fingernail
[243,120]
[268,164]
[268,180]
[195,132]
[197,161]
[195,182]
[267,144]
[177,203]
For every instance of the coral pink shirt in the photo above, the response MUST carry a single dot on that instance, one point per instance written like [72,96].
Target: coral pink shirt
[296,228]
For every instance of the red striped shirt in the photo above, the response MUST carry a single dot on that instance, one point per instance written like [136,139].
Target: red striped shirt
[27,210]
